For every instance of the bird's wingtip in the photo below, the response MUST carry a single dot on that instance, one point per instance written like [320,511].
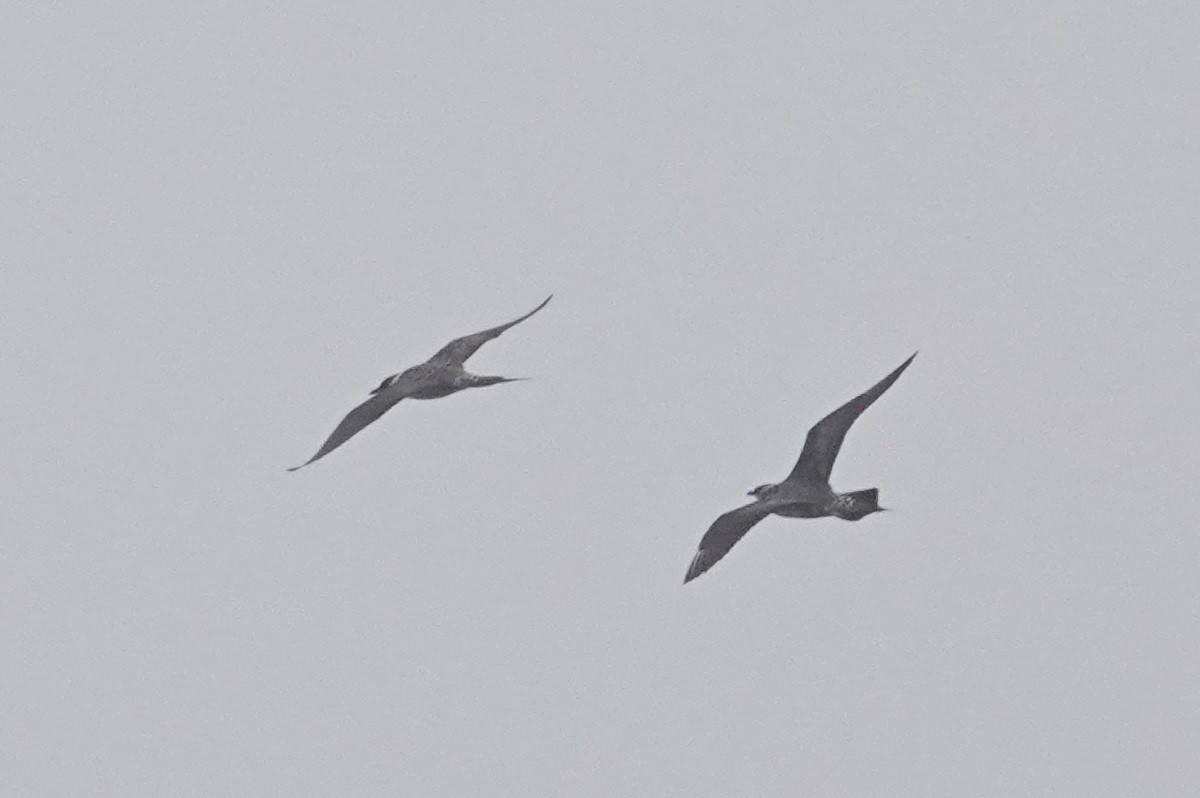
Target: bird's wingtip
[697,567]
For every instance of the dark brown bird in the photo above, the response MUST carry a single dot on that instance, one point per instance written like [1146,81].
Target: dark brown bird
[440,375]
[806,492]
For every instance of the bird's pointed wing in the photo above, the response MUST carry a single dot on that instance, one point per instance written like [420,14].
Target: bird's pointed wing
[363,415]
[457,351]
[723,534]
[825,438]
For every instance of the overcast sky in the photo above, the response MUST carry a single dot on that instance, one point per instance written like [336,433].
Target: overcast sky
[224,223]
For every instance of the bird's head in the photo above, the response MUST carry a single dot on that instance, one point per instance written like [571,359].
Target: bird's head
[760,492]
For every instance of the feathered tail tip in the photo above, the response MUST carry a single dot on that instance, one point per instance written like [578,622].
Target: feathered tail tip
[858,504]
[483,382]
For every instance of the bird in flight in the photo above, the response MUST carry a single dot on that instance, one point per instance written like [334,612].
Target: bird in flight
[806,492]
[440,375]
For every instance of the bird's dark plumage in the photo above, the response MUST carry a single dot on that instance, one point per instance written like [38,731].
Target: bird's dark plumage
[824,440]
[382,400]
[441,375]
[727,530]
[806,492]
[457,351]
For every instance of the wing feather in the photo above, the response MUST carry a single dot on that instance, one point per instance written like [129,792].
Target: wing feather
[457,351]
[362,416]
[726,531]
[824,440]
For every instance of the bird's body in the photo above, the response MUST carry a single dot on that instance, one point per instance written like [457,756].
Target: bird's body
[806,492]
[434,381]
[440,375]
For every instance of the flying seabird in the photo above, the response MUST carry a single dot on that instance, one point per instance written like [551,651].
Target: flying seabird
[440,375]
[806,492]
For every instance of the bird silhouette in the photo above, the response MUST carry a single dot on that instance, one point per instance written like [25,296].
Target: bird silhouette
[806,492]
[440,375]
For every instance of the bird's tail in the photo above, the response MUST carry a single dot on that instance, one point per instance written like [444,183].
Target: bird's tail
[857,504]
[478,381]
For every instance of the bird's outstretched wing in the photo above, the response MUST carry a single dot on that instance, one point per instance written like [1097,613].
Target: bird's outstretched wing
[457,351]
[363,415]
[723,534]
[825,438]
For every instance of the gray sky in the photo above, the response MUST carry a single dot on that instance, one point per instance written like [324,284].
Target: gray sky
[224,224]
